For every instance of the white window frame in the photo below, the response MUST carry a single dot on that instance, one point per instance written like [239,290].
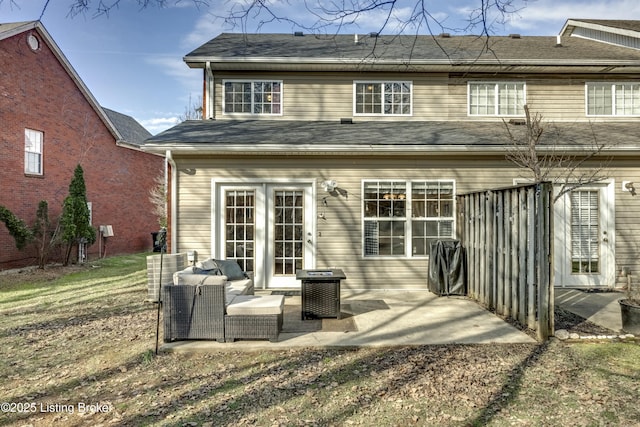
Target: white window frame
[408,217]
[33,149]
[252,82]
[383,95]
[497,88]
[613,87]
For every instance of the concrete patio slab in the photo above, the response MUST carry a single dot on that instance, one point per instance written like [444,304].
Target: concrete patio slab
[385,319]
[598,307]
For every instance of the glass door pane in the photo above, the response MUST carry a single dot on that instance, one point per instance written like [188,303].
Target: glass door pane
[240,227]
[585,232]
[288,232]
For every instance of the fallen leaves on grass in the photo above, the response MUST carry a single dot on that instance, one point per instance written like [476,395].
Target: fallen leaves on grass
[100,351]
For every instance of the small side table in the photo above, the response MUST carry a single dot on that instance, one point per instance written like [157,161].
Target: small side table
[320,292]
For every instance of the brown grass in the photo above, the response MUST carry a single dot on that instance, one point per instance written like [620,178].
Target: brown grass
[69,340]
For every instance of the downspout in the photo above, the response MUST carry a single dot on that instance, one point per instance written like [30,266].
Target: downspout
[210,92]
[174,200]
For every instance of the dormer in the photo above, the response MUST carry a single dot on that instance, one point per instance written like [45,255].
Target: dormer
[623,33]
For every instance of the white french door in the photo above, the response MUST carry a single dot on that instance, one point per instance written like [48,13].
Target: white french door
[268,229]
[584,237]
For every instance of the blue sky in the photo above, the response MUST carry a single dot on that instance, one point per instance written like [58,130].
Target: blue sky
[131,60]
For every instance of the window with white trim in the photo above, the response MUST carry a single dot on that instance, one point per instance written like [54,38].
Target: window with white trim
[496,98]
[402,218]
[259,97]
[612,99]
[33,144]
[391,98]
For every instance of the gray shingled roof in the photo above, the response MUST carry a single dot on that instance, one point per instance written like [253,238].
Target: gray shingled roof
[406,49]
[220,135]
[132,131]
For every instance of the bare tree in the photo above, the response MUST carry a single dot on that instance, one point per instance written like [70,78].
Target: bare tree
[193,111]
[325,17]
[539,151]
[158,198]
[395,16]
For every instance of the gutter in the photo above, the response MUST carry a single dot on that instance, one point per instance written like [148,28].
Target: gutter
[210,91]
[199,62]
[370,149]
[174,199]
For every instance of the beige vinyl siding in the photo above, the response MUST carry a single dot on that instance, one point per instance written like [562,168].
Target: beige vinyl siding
[339,236]
[436,97]
[627,224]
[329,96]
[194,214]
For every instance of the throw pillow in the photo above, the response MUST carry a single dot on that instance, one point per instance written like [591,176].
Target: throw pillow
[231,269]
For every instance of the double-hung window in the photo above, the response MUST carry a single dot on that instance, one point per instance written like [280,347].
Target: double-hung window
[391,98]
[260,97]
[33,142]
[402,218]
[496,98]
[612,99]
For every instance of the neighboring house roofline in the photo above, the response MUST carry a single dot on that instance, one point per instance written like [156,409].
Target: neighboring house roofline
[133,133]
[12,29]
[621,27]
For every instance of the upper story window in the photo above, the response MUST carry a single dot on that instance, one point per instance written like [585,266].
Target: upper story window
[252,97]
[382,98]
[33,141]
[613,99]
[402,218]
[496,98]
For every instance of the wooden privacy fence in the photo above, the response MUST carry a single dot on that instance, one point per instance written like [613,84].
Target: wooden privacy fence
[507,235]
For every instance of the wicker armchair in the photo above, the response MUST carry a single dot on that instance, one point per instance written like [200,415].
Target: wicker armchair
[193,312]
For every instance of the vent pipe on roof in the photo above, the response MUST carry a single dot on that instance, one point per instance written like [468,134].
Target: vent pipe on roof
[355,38]
[558,40]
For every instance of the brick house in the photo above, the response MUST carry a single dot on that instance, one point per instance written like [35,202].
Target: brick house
[49,123]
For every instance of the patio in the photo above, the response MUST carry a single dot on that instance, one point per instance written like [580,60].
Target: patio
[379,319]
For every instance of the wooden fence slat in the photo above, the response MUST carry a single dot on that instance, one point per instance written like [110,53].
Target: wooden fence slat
[515,224]
[531,260]
[522,260]
[507,238]
[500,267]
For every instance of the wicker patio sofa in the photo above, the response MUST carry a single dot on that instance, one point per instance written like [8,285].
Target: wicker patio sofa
[203,305]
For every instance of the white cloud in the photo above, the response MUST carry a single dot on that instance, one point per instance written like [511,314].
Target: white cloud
[173,66]
[158,124]
[206,27]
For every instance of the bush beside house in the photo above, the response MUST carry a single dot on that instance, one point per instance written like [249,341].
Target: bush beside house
[41,93]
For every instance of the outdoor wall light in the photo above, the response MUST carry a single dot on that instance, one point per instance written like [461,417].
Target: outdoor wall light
[329,186]
[628,186]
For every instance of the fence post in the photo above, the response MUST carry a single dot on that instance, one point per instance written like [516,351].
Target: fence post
[544,327]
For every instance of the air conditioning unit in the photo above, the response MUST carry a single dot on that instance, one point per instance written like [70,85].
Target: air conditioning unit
[106,230]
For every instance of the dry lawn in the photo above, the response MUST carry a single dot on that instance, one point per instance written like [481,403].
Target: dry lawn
[77,349]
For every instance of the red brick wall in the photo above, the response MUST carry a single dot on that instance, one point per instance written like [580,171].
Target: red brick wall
[37,93]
